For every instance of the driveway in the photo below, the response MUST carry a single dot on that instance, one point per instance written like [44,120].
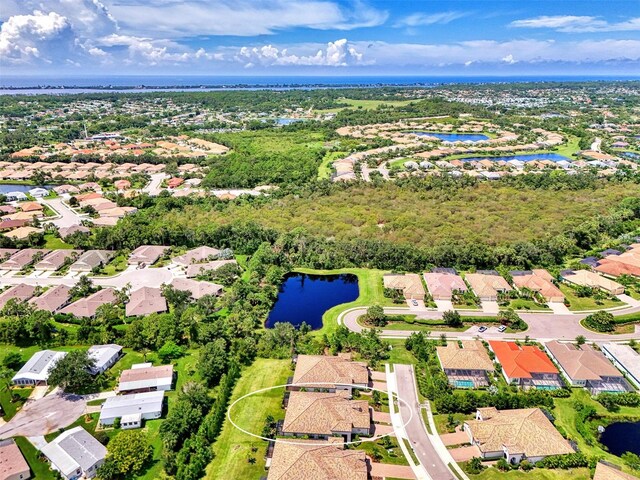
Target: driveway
[464,454]
[457,438]
[416,431]
[383,470]
[559,308]
[444,305]
[44,416]
[153,187]
[490,307]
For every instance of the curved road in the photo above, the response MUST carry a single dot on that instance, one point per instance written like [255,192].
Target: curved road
[542,326]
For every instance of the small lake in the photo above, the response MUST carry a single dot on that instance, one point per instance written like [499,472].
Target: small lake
[554,157]
[305,298]
[6,188]
[622,437]
[454,137]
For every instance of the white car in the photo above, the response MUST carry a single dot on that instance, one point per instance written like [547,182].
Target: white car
[482,329]
[502,328]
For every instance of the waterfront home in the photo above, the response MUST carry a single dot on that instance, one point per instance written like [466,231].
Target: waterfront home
[329,373]
[53,299]
[104,356]
[587,278]
[36,371]
[144,301]
[539,281]
[38,192]
[487,284]
[515,435]
[410,284]
[323,415]
[144,377]
[15,196]
[87,307]
[468,366]
[75,454]
[526,366]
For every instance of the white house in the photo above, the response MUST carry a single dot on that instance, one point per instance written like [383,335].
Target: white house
[625,358]
[132,409]
[38,192]
[104,356]
[143,377]
[36,370]
[75,454]
[16,196]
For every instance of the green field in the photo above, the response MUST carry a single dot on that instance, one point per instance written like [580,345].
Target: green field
[52,242]
[39,468]
[10,408]
[535,474]
[586,303]
[325,169]
[233,449]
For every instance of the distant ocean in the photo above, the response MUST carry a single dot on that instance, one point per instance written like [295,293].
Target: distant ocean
[14,84]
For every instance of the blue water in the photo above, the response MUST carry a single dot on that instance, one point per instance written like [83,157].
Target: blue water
[6,188]
[455,137]
[554,157]
[622,437]
[464,384]
[305,298]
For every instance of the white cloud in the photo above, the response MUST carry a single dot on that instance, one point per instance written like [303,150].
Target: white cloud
[508,59]
[577,24]
[335,54]
[174,19]
[24,38]
[422,19]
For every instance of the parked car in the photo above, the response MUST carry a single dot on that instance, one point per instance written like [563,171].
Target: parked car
[482,329]
[502,328]
[414,303]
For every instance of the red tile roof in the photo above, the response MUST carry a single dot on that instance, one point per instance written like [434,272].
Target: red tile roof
[521,361]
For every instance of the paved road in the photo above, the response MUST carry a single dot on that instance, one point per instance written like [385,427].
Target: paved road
[542,326]
[67,216]
[153,187]
[420,440]
[44,416]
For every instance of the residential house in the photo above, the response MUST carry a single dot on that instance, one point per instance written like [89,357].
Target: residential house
[91,259]
[31,207]
[21,292]
[23,258]
[87,307]
[22,233]
[147,254]
[196,288]
[56,259]
[75,454]
[144,301]
[196,269]
[611,472]
[36,371]
[583,366]
[441,283]
[65,232]
[625,358]
[316,461]
[487,284]
[122,184]
[468,366]
[627,263]
[7,224]
[410,284]
[329,373]
[587,278]
[38,192]
[539,281]
[197,255]
[144,377]
[132,409]
[175,182]
[5,253]
[15,196]
[526,365]
[53,299]
[13,466]
[515,435]
[323,415]
[62,189]
[104,356]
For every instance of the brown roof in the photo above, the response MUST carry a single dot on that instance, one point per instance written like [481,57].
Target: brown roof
[21,292]
[487,284]
[55,259]
[53,299]
[441,285]
[325,413]
[146,373]
[198,289]
[329,370]
[538,280]
[7,252]
[22,233]
[12,463]
[590,279]
[316,461]
[472,355]
[66,231]
[582,363]
[146,254]
[144,301]
[526,431]
[605,472]
[410,284]
[197,255]
[86,307]
[30,206]
[23,258]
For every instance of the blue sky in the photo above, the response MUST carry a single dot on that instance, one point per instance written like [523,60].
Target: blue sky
[328,37]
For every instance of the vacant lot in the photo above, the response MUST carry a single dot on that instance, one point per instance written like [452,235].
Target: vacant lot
[492,214]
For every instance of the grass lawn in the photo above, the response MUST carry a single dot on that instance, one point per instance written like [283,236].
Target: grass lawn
[535,474]
[155,468]
[54,243]
[523,304]
[565,415]
[399,354]
[570,148]
[442,419]
[587,303]
[324,170]
[391,456]
[233,448]
[10,408]
[117,265]
[39,468]
[371,292]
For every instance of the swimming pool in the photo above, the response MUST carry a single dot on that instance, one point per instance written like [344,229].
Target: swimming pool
[464,384]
